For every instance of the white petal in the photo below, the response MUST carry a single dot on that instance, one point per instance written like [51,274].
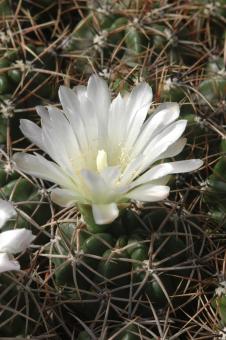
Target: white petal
[160,181]
[66,198]
[111,174]
[48,138]
[162,117]
[33,132]
[15,241]
[68,143]
[165,114]
[174,149]
[38,166]
[81,91]
[72,109]
[52,137]
[69,101]
[97,188]
[149,193]
[98,94]
[6,212]
[133,169]
[137,107]
[55,131]
[43,113]
[105,213]
[164,169]
[162,141]
[81,115]
[117,121]
[6,264]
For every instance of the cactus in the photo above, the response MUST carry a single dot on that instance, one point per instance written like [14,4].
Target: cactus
[154,272]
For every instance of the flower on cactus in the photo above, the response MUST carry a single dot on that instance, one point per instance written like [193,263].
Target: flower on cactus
[11,241]
[8,264]
[15,241]
[221,289]
[106,153]
[6,212]
[221,334]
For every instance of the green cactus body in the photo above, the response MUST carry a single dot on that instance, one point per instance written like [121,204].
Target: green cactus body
[213,89]
[12,55]
[92,248]
[215,66]
[159,37]
[15,76]
[223,145]
[172,253]
[156,266]
[220,306]
[113,268]
[3,130]
[131,332]
[83,335]
[135,241]
[5,8]
[116,30]
[135,42]
[216,189]
[21,298]
[173,92]
[5,85]
[4,62]
[19,190]
[82,36]
[217,181]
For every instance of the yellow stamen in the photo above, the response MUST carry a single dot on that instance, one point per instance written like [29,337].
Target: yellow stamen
[101,160]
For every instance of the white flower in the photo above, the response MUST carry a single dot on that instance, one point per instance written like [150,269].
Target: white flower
[7,264]
[222,334]
[11,241]
[104,152]
[15,241]
[6,212]
[221,290]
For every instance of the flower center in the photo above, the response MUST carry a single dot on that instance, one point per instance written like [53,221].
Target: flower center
[101,160]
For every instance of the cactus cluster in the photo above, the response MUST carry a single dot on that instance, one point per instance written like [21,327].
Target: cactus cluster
[157,271]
